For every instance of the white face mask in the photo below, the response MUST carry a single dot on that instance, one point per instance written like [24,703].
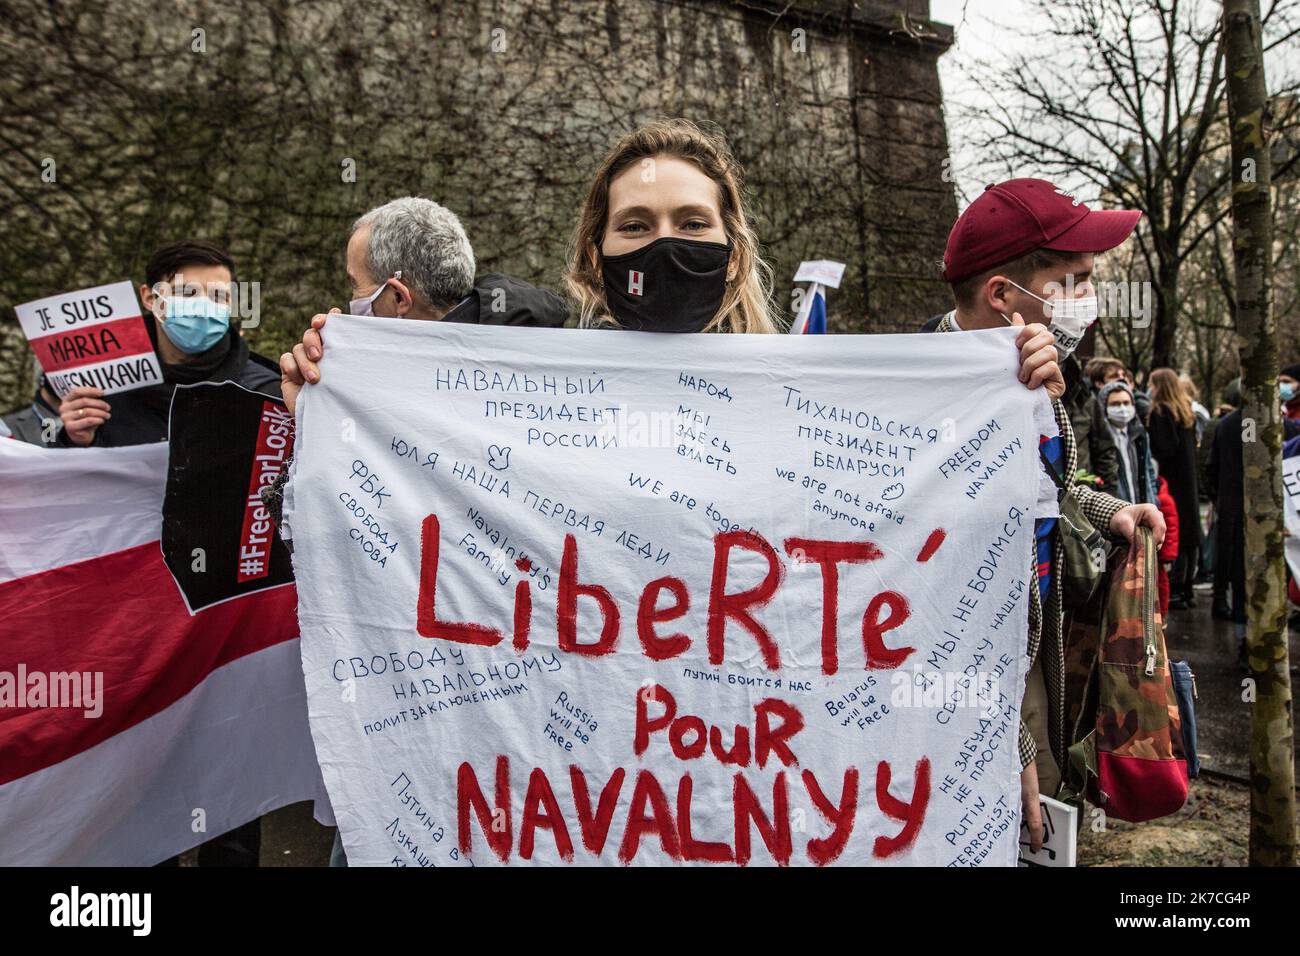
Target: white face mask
[1070,318]
[366,304]
[1120,414]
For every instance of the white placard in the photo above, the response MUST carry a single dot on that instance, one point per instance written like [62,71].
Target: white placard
[1291,512]
[93,337]
[596,597]
[1060,840]
[822,271]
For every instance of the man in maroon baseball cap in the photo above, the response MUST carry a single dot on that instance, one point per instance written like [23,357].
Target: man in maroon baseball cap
[1012,219]
[1022,254]
[1026,246]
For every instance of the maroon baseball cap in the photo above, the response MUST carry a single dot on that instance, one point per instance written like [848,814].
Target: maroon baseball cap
[1016,217]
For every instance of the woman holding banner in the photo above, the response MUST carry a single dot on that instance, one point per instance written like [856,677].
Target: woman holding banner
[664,243]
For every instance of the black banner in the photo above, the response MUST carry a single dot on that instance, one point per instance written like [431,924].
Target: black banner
[218,539]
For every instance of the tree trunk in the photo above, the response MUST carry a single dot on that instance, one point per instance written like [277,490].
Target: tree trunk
[1272,752]
[1166,321]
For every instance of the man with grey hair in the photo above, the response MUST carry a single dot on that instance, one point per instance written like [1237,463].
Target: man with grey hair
[410,259]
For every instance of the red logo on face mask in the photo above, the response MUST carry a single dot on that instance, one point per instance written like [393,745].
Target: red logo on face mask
[635,280]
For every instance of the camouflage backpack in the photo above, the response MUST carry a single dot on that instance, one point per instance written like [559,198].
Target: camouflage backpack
[1131,762]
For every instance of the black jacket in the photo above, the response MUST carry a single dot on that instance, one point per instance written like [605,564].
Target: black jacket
[498,299]
[1146,490]
[1097,452]
[1225,464]
[139,417]
[1173,446]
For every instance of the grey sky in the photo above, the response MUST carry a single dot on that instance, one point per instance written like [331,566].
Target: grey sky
[986,31]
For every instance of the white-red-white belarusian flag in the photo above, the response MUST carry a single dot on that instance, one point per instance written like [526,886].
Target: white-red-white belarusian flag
[199,723]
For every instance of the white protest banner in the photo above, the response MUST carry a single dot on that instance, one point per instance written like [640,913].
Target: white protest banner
[601,597]
[1291,512]
[91,337]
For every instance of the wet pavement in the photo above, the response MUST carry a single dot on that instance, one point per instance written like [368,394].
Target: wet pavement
[292,837]
[1222,717]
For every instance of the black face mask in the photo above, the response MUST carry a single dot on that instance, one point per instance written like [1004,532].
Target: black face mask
[669,285]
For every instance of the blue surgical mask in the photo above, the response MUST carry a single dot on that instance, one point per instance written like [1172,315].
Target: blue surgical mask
[195,323]
[1286,390]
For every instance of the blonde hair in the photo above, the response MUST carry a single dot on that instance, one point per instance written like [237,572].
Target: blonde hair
[1167,392]
[746,305]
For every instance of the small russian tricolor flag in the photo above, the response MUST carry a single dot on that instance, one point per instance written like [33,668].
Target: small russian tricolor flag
[815,324]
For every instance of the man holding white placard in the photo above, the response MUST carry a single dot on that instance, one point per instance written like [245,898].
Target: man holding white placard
[187,304]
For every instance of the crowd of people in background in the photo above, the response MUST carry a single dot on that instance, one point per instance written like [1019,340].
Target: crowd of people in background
[1157,443]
